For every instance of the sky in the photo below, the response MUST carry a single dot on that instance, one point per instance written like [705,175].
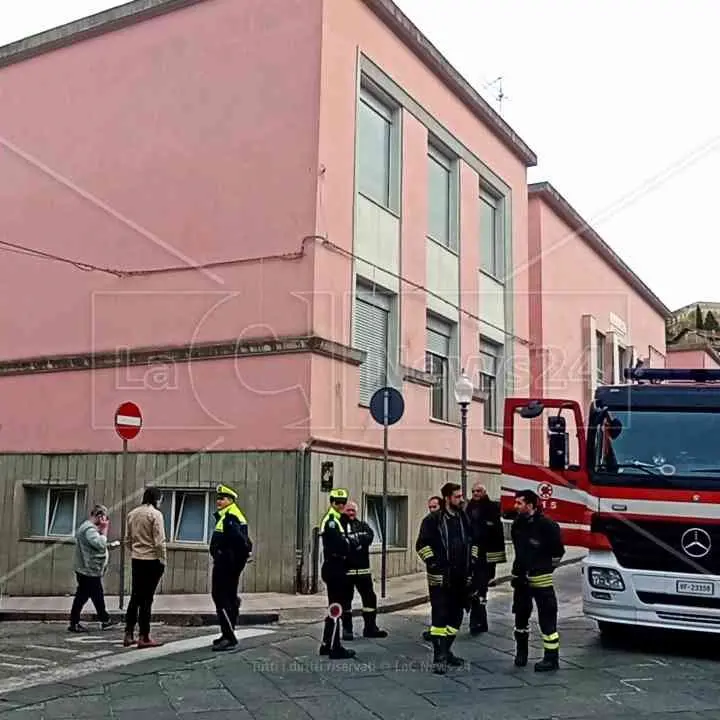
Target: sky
[614,96]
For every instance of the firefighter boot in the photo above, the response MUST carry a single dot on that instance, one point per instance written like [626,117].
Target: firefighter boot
[371,629]
[347,623]
[440,659]
[453,660]
[478,616]
[549,662]
[331,643]
[521,648]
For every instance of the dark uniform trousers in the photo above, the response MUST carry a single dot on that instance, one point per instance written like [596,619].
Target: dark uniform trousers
[448,596]
[224,593]
[538,588]
[334,575]
[360,580]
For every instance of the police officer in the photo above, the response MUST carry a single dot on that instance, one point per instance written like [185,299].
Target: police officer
[487,527]
[336,549]
[230,548]
[538,551]
[446,546]
[360,537]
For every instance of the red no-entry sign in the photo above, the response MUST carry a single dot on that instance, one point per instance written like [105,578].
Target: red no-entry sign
[128,420]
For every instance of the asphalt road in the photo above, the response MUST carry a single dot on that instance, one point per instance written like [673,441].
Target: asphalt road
[276,674]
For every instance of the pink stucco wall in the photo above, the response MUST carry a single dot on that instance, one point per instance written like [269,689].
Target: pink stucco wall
[348,27]
[691,359]
[576,281]
[188,138]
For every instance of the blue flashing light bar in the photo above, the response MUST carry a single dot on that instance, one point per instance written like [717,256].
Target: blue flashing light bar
[660,374]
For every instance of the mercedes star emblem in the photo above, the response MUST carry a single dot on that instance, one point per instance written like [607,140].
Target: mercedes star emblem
[696,543]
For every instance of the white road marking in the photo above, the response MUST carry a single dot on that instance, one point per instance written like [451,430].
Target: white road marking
[92,639]
[22,657]
[117,660]
[51,648]
[629,683]
[21,667]
[93,655]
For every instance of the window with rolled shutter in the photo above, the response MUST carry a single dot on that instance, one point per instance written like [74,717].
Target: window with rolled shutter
[371,335]
[437,364]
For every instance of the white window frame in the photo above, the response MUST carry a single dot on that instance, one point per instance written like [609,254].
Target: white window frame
[446,329]
[79,500]
[492,407]
[600,357]
[396,503]
[377,101]
[450,164]
[497,245]
[174,521]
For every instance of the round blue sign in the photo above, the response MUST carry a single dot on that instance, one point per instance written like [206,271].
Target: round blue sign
[387,400]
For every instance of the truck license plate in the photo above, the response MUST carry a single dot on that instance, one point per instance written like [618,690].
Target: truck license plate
[687,587]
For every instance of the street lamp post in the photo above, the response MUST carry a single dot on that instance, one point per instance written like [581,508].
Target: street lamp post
[463,397]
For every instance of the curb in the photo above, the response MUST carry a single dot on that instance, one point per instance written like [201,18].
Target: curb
[423,599]
[178,619]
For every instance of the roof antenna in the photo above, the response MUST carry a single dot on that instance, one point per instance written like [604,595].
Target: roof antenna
[498,82]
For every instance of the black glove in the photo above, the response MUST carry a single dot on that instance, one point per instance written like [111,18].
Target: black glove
[518,582]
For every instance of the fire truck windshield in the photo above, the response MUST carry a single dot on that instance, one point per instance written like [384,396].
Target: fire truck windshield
[657,449]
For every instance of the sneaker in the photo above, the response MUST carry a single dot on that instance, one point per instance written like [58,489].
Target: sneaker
[226,644]
[147,643]
[77,628]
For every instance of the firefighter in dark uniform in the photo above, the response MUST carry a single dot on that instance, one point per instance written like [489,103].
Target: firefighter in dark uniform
[445,544]
[538,551]
[336,549]
[230,548]
[486,522]
[360,537]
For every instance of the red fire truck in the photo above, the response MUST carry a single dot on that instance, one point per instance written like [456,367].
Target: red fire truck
[642,494]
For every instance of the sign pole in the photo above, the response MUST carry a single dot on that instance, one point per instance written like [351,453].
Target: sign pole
[123,520]
[128,421]
[383,571]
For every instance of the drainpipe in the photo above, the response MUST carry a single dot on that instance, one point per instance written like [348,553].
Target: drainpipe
[302,552]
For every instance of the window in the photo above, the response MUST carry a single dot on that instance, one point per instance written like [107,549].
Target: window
[600,357]
[187,516]
[396,519]
[437,363]
[371,332]
[622,362]
[439,198]
[489,236]
[374,150]
[55,512]
[489,356]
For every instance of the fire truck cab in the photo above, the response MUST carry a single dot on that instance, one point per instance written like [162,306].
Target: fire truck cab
[638,485]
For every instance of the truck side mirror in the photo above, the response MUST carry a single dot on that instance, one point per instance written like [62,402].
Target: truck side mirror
[558,443]
[532,410]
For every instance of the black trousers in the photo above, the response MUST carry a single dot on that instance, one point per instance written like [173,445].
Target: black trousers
[146,576]
[447,605]
[88,588]
[364,585]
[334,576]
[224,591]
[481,579]
[547,608]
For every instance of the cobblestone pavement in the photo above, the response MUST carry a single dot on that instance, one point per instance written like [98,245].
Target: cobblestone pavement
[279,676]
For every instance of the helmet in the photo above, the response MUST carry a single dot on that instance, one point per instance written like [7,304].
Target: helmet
[225,491]
[339,494]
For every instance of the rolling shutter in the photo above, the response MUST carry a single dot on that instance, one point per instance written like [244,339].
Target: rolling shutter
[371,335]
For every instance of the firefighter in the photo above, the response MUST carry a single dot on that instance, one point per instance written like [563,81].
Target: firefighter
[360,537]
[230,548]
[486,522]
[445,544]
[336,549]
[538,551]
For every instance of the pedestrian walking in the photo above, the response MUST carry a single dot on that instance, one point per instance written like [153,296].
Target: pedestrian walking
[359,577]
[230,549]
[486,522]
[334,572]
[445,544]
[145,539]
[538,551]
[91,561]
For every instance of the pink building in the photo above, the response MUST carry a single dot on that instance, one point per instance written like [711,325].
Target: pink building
[246,218]
[693,349]
[590,315]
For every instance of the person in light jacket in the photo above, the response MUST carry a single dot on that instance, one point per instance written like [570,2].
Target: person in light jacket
[145,537]
[91,560]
